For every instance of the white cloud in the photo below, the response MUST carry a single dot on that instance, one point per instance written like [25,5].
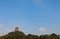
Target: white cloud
[41,29]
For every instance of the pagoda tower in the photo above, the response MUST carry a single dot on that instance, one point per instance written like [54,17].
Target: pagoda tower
[16,29]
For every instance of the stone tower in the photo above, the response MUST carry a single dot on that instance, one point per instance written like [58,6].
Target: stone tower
[16,29]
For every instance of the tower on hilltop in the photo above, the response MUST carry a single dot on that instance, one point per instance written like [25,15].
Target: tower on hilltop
[16,29]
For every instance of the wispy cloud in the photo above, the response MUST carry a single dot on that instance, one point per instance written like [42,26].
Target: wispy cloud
[41,29]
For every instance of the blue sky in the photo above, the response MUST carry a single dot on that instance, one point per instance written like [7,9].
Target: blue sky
[31,16]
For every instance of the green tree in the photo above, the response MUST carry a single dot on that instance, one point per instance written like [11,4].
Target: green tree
[53,36]
[1,37]
[15,35]
[30,36]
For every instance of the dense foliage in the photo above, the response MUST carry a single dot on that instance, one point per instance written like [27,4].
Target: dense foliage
[21,35]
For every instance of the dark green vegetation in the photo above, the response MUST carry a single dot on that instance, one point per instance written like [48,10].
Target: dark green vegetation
[21,35]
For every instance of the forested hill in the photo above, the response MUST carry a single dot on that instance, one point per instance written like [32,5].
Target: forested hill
[21,35]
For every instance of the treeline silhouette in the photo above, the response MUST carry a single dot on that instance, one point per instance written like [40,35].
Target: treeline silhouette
[21,35]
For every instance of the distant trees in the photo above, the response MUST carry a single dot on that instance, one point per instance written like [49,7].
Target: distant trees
[21,35]
[30,36]
[15,35]
[53,36]
[1,37]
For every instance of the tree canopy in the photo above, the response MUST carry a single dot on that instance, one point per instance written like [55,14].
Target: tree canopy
[21,35]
